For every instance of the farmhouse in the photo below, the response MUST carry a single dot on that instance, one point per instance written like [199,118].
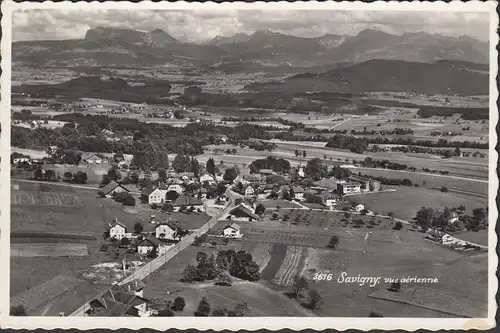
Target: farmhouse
[112,188]
[135,286]
[367,184]
[157,196]
[148,244]
[166,231]
[330,199]
[249,191]
[118,303]
[232,231]
[298,192]
[349,187]
[118,231]
[93,159]
[440,237]
[242,213]
[189,203]
[206,177]
[175,187]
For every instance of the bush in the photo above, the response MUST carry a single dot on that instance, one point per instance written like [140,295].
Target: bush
[398,226]
[166,313]
[179,304]
[203,308]
[444,189]
[334,241]
[101,194]
[129,200]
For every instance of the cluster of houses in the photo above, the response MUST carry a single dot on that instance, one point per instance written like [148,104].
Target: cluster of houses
[155,238]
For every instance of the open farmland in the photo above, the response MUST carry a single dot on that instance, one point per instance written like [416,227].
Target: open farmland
[48,250]
[406,201]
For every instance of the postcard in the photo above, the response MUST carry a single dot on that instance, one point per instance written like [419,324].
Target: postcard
[234,166]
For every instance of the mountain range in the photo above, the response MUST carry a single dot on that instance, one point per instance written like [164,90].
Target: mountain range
[132,48]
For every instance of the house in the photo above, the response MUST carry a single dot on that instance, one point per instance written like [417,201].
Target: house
[359,208]
[116,302]
[298,192]
[232,231]
[135,286]
[330,199]
[440,236]
[148,244]
[157,197]
[249,191]
[166,230]
[118,231]
[206,177]
[242,213]
[112,188]
[454,218]
[175,187]
[366,184]
[21,160]
[93,159]
[146,191]
[348,188]
[189,203]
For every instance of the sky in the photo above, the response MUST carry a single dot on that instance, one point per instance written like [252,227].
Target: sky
[201,26]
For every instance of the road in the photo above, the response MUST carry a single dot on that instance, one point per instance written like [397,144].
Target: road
[158,262]
[344,121]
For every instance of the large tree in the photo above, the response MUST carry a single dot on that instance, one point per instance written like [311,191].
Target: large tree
[211,168]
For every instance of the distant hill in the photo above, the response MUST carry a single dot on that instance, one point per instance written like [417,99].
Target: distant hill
[105,46]
[386,75]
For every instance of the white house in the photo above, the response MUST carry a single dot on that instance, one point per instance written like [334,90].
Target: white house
[93,159]
[447,239]
[206,177]
[453,219]
[118,231]
[249,190]
[157,196]
[349,187]
[165,231]
[359,207]
[242,213]
[298,192]
[112,188]
[175,187]
[331,200]
[148,244]
[21,160]
[232,231]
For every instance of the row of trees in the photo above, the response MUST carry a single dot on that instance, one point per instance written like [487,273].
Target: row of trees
[428,217]
[205,309]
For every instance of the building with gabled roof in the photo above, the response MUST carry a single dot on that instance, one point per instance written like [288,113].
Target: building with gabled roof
[242,213]
[188,202]
[112,188]
[232,231]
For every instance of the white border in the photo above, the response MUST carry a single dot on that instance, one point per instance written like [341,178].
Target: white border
[253,323]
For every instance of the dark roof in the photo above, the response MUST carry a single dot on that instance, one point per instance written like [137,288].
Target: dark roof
[162,186]
[150,239]
[147,190]
[111,186]
[233,225]
[187,201]
[298,189]
[350,184]
[133,286]
[241,208]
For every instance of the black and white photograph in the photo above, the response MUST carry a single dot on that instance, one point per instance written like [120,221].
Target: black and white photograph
[295,162]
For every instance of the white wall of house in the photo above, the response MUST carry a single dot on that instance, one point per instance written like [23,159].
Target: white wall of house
[144,249]
[164,232]
[117,231]
[331,202]
[157,197]
[299,196]
[175,187]
[206,178]
[249,190]
[231,232]
[360,207]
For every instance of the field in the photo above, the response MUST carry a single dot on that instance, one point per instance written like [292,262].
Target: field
[45,199]
[406,201]
[272,204]
[164,285]
[48,250]
[428,180]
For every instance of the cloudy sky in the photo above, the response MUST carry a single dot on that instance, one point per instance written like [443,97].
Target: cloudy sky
[200,26]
